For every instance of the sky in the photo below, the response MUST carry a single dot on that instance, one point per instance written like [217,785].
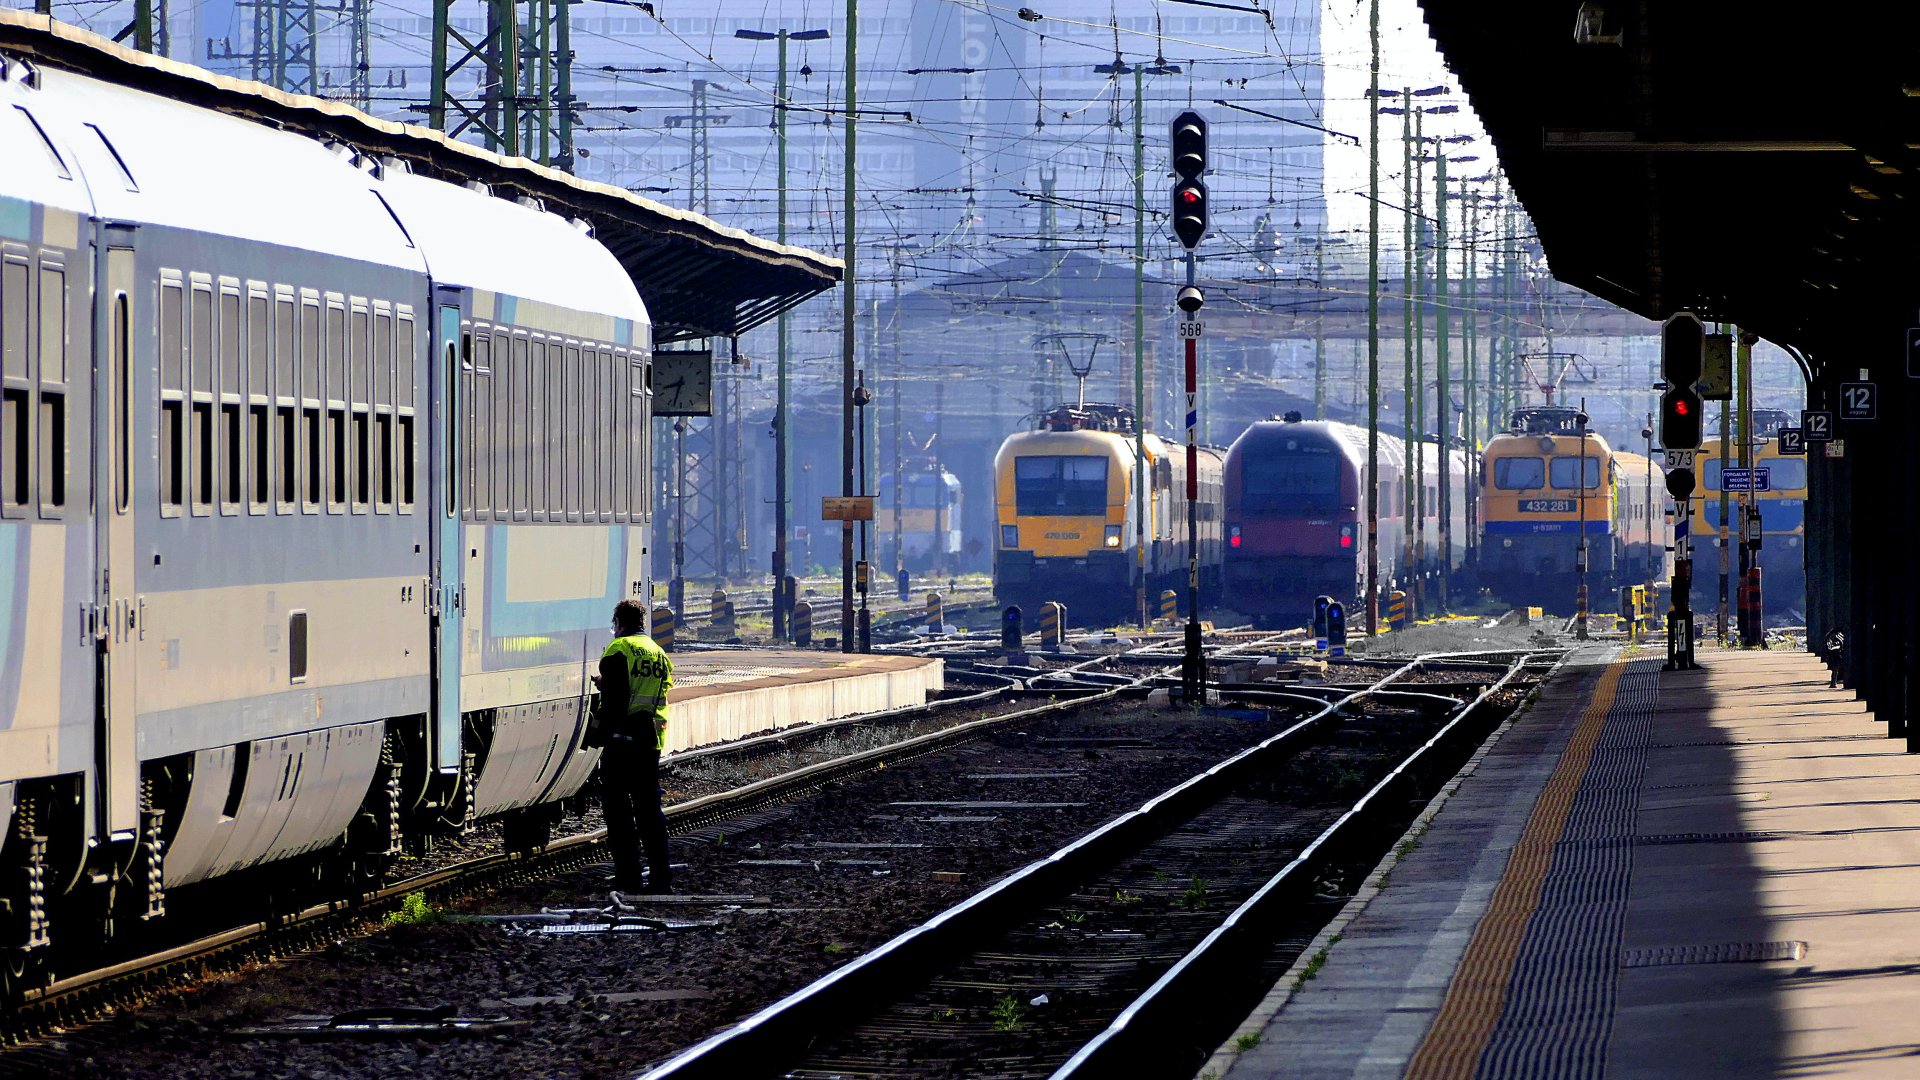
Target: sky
[1408,58]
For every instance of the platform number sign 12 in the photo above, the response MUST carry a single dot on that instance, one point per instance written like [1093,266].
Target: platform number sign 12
[1857,400]
[1816,425]
[1792,441]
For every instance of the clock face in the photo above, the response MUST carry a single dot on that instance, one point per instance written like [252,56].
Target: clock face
[683,384]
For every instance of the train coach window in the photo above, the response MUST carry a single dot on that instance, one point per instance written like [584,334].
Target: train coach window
[15,442]
[1519,473]
[406,463]
[1278,480]
[297,647]
[1565,473]
[260,432]
[1786,474]
[1060,486]
[362,475]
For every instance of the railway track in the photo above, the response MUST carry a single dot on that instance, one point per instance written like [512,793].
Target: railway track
[94,993]
[1100,959]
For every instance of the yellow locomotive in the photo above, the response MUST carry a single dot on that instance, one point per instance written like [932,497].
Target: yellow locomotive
[1782,500]
[1067,521]
[1543,486]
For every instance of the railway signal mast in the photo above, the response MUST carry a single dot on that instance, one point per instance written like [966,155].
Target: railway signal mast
[1682,344]
[1189,226]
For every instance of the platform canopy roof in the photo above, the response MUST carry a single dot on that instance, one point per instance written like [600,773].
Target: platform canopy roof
[699,278]
[1752,163]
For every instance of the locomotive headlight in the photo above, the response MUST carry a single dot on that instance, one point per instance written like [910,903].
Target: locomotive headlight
[1793,541]
[1009,536]
[1113,536]
[1346,536]
[1508,542]
[1233,536]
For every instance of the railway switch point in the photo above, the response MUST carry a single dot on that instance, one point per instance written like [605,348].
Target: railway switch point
[904,583]
[1336,629]
[1321,604]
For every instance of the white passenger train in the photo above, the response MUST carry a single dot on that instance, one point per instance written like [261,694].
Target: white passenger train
[318,482]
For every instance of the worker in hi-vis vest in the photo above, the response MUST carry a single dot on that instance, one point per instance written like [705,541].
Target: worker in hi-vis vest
[631,723]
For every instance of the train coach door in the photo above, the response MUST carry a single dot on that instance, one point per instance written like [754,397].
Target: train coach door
[117,616]
[451,375]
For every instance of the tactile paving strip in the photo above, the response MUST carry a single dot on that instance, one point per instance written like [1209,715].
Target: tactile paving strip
[1559,1007]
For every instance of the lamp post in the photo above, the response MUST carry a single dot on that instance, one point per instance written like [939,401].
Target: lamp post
[782,602]
[861,396]
[849,257]
[1411,489]
[1442,333]
[1580,552]
[1139,72]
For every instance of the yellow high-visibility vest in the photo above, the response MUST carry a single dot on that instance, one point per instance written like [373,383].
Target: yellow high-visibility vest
[649,677]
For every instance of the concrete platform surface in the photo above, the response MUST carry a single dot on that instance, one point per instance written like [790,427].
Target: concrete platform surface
[1649,874]
[729,694]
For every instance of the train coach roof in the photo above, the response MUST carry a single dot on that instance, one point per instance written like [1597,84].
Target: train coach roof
[698,278]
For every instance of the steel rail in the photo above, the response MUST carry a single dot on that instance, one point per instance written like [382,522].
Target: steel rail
[79,996]
[761,1043]
[1140,1029]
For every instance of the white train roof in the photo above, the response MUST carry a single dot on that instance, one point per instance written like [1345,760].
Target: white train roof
[699,278]
[207,172]
[549,260]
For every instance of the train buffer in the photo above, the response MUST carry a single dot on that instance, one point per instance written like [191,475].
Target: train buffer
[1698,907]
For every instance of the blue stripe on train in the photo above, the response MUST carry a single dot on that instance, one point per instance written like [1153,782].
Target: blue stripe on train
[1547,528]
[1776,515]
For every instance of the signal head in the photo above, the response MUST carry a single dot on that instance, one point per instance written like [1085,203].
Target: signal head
[1189,145]
[1190,212]
[1682,349]
[1189,299]
[1680,418]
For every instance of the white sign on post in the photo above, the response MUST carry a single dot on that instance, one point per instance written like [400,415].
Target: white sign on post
[1190,329]
[1678,459]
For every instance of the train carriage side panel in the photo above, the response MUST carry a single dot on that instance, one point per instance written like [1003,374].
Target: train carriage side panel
[47,662]
[550,410]
[260,576]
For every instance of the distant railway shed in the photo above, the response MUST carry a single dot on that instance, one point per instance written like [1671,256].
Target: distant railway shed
[699,279]
[1758,168]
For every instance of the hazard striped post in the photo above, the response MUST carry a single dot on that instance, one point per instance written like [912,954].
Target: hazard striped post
[803,624]
[1053,622]
[936,614]
[720,611]
[663,626]
[1170,605]
[1397,610]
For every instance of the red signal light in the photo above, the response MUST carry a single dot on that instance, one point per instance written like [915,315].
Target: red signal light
[1680,408]
[1189,196]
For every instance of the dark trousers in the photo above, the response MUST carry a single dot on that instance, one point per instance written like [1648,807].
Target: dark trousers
[630,795]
